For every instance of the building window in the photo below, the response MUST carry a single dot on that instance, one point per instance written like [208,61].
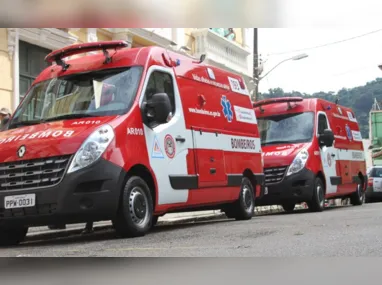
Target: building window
[31,62]
[225,33]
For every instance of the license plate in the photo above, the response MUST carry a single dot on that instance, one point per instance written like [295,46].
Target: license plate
[20,201]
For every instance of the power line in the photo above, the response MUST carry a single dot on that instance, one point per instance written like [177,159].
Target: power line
[327,44]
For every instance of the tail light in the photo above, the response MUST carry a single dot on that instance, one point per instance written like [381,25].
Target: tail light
[370,182]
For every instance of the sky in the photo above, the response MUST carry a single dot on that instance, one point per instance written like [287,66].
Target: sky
[345,65]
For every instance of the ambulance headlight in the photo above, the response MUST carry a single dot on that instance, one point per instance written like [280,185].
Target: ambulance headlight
[299,162]
[92,148]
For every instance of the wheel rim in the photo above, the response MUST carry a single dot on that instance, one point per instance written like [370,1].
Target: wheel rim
[320,196]
[247,197]
[138,206]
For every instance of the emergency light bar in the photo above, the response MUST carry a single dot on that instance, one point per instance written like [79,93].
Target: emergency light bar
[58,55]
[265,102]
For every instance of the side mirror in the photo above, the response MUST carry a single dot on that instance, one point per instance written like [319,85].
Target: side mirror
[326,138]
[158,108]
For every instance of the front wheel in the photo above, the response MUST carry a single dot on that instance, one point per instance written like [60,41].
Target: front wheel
[135,214]
[358,197]
[317,204]
[244,207]
[12,236]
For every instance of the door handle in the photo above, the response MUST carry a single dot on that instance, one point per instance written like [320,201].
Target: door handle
[180,139]
[333,155]
[212,170]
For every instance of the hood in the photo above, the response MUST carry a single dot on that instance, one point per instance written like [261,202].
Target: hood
[48,139]
[281,155]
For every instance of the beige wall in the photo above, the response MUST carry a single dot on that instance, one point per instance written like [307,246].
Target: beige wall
[5,72]
[239,35]
[103,37]
[81,34]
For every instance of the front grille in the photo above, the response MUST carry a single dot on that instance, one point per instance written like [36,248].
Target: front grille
[274,174]
[29,174]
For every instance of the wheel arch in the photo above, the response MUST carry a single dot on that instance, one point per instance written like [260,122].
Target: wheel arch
[143,172]
[363,180]
[321,175]
[249,174]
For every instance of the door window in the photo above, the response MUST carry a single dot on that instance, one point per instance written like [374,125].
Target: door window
[322,123]
[161,82]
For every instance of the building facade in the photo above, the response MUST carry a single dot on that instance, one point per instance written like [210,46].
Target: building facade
[22,50]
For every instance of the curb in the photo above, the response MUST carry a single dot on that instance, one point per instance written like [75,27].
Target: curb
[36,235]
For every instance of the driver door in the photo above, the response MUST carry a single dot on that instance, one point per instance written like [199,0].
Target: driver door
[167,143]
[328,157]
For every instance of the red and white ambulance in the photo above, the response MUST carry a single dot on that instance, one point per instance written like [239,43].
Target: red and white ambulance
[128,135]
[312,151]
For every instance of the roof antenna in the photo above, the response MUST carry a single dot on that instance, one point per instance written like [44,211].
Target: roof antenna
[337,100]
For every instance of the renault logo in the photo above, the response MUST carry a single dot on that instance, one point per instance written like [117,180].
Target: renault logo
[21,151]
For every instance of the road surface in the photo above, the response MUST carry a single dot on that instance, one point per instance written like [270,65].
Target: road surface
[341,231]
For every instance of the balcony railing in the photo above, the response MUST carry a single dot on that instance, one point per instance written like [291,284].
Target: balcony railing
[221,51]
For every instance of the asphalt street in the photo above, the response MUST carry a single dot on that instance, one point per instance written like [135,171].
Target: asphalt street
[345,231]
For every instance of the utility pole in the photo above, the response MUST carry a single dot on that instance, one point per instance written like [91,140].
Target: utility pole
[255,63]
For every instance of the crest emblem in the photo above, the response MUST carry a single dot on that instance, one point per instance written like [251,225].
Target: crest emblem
[169,145]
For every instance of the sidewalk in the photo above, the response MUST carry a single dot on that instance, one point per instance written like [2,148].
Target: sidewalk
[167,219]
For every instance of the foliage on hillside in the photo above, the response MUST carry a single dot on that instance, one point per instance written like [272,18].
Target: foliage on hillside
[360,99]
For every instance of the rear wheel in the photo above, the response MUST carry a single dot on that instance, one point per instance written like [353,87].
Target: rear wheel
[135,213]
[358,197]
[288,206]
[244,207]
[317,204]
[12,236]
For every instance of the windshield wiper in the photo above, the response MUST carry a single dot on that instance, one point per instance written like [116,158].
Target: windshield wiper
[276,142]
[69,116]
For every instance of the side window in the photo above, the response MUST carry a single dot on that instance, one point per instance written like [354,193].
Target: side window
[322,123]
[161,82]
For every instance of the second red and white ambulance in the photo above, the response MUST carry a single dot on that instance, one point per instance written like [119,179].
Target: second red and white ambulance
[128,135]
[312,151]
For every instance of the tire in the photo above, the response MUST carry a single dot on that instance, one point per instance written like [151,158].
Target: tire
[317,204]
[135,214]
[288,207]
[244,207]
[358,197]
[11,237]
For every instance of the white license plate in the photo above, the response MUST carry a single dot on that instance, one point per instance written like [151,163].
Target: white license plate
[20,201]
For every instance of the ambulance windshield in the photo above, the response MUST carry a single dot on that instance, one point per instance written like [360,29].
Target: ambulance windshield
[286,128]
[88,94]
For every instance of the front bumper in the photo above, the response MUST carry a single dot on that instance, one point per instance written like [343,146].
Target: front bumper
[89,194]
[296,188]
